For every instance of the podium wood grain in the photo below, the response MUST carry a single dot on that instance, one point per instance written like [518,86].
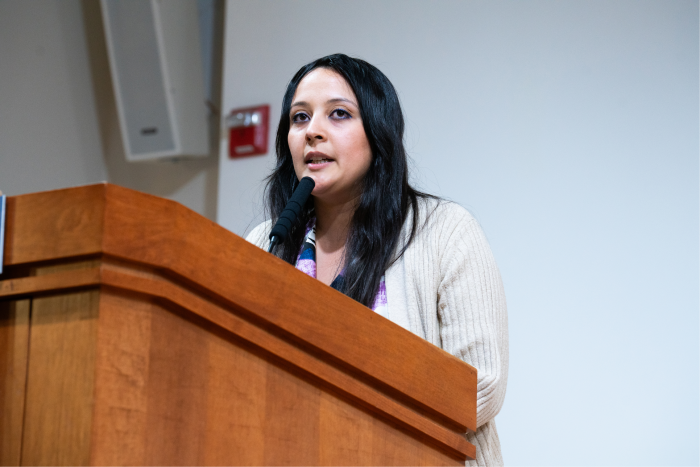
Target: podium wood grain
[14,345]
[136,332]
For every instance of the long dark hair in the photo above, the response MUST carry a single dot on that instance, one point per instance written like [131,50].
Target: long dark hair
[387,198]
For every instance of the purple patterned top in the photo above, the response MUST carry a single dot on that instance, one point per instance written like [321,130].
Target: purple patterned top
[306,262]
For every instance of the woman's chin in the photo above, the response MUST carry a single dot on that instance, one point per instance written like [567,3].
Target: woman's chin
[321,183]
[320,189]
[314,176]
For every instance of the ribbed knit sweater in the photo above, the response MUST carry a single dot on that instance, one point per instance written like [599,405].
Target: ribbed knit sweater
[448,286]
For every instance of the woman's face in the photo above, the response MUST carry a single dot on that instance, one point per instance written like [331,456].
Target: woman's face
[326,137]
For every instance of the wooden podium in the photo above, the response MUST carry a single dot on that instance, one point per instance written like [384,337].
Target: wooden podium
[134,331]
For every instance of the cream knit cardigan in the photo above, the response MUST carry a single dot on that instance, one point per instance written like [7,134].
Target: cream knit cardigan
[448,286]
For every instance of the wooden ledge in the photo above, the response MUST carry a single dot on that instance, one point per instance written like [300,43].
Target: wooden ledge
[152,285]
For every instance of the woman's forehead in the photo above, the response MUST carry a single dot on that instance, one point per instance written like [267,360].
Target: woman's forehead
[323,84]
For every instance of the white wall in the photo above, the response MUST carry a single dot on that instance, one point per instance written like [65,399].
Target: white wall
[58,124]
[48,133]
[570,129]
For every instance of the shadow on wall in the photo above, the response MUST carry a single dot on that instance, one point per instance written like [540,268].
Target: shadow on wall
[192,182]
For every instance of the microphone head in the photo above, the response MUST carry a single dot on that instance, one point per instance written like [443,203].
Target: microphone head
[290,213]
[306,184]
[301,193]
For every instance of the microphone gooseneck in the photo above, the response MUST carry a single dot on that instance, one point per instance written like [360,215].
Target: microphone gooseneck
[291,212]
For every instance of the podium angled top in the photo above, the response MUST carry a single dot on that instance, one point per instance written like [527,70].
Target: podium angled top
[109,221]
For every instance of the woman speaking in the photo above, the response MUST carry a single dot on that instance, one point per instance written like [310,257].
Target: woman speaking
[417,260]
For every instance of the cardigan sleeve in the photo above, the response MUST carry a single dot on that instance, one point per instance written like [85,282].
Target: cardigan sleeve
[472,310]
[259,235]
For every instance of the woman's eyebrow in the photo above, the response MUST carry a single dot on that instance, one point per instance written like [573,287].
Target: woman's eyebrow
[341,99]
[329,101]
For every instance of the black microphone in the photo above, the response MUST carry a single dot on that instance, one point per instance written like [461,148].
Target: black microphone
[291,211]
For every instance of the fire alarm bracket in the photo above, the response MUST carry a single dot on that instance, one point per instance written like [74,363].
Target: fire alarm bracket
[248,131]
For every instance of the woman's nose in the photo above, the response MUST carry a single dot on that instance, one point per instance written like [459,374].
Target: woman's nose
[315,131]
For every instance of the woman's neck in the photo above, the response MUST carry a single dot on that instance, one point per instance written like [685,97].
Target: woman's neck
[333,221]
[332,227]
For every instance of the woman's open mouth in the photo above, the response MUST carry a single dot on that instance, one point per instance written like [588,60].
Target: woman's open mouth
[316,158]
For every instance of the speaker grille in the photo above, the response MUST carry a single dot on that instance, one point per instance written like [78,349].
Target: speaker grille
[140,85]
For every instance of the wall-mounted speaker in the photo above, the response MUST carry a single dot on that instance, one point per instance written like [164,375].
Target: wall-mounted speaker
[156,66]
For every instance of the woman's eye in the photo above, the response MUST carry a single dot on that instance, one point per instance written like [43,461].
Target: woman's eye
[300,117]
[340,113]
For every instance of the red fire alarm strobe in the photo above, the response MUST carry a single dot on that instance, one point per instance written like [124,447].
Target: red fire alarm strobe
[248,131]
